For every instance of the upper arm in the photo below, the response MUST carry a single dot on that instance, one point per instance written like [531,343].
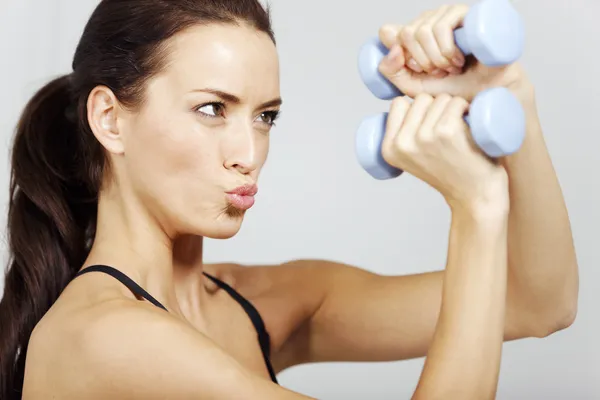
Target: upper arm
[345,313]
[364,316]
[134,351]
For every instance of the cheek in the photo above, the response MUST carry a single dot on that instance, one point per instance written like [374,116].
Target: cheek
[170,157]
[263,150]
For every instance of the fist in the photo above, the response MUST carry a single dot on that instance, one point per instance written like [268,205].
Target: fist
[430,139]
[424,58]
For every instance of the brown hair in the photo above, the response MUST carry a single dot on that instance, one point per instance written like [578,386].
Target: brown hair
[58,165]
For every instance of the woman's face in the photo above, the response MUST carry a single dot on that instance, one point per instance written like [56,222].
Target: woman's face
[203,130]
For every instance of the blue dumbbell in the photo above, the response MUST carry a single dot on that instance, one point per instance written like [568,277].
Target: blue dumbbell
[492,32]
[496,120]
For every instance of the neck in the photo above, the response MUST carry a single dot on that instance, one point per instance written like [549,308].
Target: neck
[129,240]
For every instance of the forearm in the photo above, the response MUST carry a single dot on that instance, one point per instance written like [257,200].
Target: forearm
[464,356]
[541,257]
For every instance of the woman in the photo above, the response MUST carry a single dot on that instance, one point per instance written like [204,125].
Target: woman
[156,140]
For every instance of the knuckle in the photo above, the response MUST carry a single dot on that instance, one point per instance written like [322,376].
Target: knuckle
[425,136]
[424,98]
[398,103]
[445,129]
[399,106]
[444,98]
[403,146]
[407,34]
[442,101]
[440,29]
[444,132]
[460,102]
[387,33]
[445,45]
[425,32]
[428,13]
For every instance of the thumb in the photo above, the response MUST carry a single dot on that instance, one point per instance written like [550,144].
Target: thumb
[393,68]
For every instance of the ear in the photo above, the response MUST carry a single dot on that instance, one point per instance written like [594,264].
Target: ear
[102,114]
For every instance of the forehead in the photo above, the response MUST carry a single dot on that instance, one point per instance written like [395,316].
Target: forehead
[235,58]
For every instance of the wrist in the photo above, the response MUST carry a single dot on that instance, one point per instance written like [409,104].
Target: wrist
[534,141]
[483,213]
[518,82]
[522,88]
[490,203]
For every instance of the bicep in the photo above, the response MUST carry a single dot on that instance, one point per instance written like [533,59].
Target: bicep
[137,353]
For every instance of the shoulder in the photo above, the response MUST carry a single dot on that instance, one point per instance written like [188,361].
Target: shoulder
[301,275]
[287,296]
[123,347]
[301,279]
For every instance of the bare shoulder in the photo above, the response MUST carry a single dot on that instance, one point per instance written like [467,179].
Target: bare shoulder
[287,296]
[285,292]
[128,349]
[306,277]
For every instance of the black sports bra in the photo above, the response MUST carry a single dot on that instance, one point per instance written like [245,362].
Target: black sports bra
[263,336]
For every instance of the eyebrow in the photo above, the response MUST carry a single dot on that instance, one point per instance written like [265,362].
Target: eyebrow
[231,98]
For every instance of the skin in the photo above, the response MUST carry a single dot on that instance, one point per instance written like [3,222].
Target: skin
[511,270]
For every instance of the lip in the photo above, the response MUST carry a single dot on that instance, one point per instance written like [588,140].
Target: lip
[242,197]
[245,190]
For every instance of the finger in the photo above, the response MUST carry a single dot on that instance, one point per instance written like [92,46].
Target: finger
[388,34]
[393,64]
[394,69]
[395,119]
[412,84]
[452,121]
[419,61]
[444,33]
[435,112]
[428,42]
[413,120]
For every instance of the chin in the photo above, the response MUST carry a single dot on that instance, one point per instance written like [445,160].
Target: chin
[226,225]
[221,234]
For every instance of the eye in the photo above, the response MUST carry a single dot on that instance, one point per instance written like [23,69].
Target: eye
[269,117]
[211,110]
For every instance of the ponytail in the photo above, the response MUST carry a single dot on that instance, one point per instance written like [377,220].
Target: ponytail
[51,218]
[58,165]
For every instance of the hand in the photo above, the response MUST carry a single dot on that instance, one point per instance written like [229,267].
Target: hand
[424,58]
[430,140]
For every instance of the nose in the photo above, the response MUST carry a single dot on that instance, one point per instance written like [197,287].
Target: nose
[242,153]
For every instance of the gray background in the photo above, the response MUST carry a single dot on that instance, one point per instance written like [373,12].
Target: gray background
[393,227]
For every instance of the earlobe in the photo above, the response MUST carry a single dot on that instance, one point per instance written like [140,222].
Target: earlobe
[102,113]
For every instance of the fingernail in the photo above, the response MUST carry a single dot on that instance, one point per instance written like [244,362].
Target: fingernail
[459,61]
[437,72]
[414,65]
[454,71]
[392,56]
